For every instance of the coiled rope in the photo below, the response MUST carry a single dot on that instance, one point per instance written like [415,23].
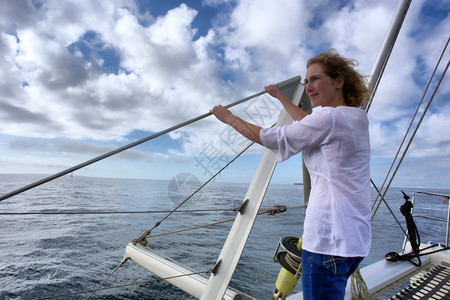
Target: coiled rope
[413,237]
[394,256]
[294,263]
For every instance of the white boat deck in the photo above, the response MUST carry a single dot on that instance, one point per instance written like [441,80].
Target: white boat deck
[433,281]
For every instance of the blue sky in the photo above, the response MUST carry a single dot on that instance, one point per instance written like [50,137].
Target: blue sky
[80,78]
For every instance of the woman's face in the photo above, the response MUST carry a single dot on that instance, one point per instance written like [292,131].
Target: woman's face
[321,88]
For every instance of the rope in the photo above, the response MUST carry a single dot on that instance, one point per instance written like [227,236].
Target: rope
[358,287]
[394,256]
[294,263]
[413,232]
[413,237]
[126,211]
[276,209]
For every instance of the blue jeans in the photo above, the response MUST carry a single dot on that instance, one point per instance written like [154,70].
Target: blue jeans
[325,276]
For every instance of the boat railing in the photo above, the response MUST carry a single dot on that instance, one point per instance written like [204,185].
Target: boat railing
[445,200]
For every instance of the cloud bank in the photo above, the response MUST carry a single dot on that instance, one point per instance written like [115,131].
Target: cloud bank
[101,70]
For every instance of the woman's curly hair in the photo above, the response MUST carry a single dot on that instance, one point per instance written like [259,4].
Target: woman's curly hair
[355,90]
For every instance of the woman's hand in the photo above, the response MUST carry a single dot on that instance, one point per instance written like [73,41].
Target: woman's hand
[273,90]
[248,130]
[294,111]
[223,114]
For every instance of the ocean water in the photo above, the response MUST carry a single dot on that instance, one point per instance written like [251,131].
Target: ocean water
[47,255]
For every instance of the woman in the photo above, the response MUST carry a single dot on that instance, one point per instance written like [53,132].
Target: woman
[335,141]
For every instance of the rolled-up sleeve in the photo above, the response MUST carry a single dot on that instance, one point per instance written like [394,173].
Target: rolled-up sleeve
[289,140]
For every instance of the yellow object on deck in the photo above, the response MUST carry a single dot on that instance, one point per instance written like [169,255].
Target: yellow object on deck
[286,282]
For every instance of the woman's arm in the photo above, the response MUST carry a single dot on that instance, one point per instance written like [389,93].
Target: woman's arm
[248,130]
[293,110]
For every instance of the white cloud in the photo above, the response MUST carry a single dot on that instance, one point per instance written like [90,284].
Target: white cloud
[357,30]
[266,40]
[273,25]
[55,80]
[164,78]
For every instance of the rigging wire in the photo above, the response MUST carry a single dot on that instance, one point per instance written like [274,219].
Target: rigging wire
[271,211]
[103,282]
[142,238]
[123,285]
[115,212]
[143,140]
[410,125]
[121,149]
[417,126]
[99,287]
[389,208]
[380,66]
[122,212]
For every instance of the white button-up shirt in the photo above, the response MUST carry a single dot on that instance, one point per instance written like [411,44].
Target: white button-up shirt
[336,148]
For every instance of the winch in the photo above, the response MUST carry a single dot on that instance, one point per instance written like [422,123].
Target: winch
[290,258]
